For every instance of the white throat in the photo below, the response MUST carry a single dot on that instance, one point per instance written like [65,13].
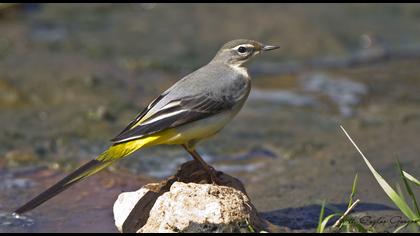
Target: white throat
[238,68]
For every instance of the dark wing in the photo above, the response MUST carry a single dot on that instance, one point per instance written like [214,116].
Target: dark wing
[175,113]
[139,116]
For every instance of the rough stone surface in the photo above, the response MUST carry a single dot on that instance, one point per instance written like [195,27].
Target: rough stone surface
[191,207]
[125,204]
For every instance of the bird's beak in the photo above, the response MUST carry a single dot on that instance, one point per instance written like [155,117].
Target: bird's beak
[268,47]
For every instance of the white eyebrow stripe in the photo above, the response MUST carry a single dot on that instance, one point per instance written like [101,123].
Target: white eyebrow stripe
[247,45]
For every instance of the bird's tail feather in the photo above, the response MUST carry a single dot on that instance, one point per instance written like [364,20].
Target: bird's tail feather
[108,157]
[87,169]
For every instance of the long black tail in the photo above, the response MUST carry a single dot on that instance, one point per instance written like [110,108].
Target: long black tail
[79,174]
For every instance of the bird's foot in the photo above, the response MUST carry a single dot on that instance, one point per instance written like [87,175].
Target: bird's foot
[215,176]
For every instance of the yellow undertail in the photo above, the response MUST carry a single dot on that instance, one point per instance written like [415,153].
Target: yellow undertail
[112,154]
[117,152]
[121,150]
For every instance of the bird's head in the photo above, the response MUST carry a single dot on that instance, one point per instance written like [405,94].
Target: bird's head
[239,51]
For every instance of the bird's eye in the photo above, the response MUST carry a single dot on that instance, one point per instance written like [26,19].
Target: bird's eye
[242,49]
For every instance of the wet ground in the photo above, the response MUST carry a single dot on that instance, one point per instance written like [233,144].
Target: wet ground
[69,84]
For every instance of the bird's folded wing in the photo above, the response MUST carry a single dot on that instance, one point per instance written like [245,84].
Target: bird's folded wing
[175,113]
[141,115]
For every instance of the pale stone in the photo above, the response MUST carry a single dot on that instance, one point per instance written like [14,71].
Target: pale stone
[124,204]
[191,207]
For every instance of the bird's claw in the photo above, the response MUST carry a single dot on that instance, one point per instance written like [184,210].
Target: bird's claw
[214,176]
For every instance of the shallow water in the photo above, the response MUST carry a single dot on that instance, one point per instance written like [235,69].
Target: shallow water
[64,92]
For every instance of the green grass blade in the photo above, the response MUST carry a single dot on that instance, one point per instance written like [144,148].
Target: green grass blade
[321,215]
[325,221]
[400,192]
[398,201]
[347,225]
[411,178]
[409,190]
[353,191]
[249,226]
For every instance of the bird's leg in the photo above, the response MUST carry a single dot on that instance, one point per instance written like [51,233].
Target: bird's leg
[210,170]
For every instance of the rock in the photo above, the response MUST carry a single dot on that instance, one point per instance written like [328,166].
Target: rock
[190,207]
[125,204]
[186,202]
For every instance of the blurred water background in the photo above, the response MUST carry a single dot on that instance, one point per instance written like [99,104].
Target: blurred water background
[73,75]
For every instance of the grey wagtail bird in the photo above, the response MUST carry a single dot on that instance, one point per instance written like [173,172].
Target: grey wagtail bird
[195,108]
